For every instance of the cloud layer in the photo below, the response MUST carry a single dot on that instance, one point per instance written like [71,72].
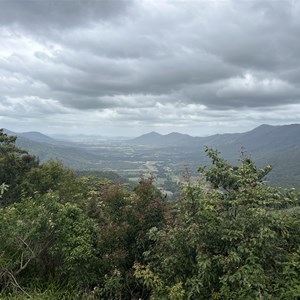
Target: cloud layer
[126,67]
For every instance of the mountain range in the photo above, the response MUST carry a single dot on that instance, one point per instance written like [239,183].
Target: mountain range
[278,146]
[262,137]
[266,144]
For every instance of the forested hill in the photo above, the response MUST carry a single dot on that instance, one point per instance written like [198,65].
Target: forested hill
[47,148]
[33,136]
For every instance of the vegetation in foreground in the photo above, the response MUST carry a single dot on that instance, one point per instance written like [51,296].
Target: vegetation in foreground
[62,236]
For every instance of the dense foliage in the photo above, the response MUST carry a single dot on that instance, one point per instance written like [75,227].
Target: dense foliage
[62,236]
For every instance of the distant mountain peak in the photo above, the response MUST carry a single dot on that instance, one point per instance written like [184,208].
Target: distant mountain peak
[264,126]
[152,133]
[37,137]
[33,136]
[177,134]
[156,139]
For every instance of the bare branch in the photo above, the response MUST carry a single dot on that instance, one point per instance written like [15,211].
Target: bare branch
[15,282]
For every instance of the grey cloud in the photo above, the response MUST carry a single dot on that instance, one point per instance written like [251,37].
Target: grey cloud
[136,60]
[52,14]
[30,107]
[105,76]
[74,78]
[123,42]
[260,35]
[242,92]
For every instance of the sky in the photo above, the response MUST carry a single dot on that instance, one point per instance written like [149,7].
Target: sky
[124,68]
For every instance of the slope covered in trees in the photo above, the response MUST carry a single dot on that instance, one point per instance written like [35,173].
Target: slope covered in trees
[64,236]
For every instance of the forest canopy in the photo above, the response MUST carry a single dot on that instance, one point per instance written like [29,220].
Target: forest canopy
[64,236]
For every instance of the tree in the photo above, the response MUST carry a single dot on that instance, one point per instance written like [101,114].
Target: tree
[48,242]
[231,239]
[123,220]
[14,164]
[53,176]
[7,145]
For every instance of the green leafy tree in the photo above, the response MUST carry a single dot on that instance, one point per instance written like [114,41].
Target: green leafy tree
[44,241]
[53,176]
[110,206]
[14,165]
[123,220]
[230,239]
[7,145]
[149,210]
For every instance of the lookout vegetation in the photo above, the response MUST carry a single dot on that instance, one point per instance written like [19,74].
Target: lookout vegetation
[62,236]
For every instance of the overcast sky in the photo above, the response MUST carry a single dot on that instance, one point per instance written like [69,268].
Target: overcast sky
[129,67]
